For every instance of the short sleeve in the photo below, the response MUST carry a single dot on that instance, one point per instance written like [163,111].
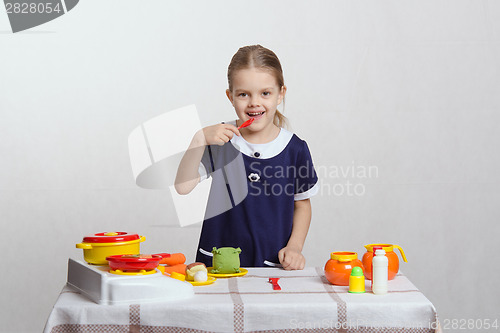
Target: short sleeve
[206,164]
[306,182]
[202,171]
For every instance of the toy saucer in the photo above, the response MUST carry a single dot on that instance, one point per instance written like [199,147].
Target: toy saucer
[220,275]
[210,280]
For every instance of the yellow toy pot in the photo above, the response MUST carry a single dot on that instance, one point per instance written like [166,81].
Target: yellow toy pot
[98,246]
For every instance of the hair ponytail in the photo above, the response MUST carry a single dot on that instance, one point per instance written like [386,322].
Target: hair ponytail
[280,120]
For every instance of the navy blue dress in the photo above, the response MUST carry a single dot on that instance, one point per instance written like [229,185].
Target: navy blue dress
[251,201]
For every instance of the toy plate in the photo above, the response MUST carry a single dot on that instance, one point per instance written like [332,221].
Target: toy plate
[210,280]
[241,273]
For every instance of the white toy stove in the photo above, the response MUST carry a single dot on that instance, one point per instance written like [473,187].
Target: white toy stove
[103,287]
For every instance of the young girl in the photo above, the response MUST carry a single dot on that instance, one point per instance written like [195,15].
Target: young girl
[262,175]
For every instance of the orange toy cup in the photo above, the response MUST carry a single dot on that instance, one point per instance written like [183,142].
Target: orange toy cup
[338,268]
[390,254]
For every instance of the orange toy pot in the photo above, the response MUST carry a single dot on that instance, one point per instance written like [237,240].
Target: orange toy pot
[338,268]
[390,254]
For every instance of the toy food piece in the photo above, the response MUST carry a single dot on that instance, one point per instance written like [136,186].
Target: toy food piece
[137,256]
[172,259]
[181,269]
[226,260]
[191,270]
[201,276]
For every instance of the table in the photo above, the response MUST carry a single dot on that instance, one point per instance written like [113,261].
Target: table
[306,303]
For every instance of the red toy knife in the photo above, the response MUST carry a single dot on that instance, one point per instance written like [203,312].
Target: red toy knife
[274,281]
[246,123]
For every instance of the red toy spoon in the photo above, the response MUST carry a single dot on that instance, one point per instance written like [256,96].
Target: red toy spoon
[274,281]
[246,123]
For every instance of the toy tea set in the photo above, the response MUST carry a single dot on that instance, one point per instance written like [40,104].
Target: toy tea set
[380,263]
[117,272]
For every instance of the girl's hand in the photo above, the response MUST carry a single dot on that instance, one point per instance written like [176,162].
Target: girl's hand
[219,134]
[291,258]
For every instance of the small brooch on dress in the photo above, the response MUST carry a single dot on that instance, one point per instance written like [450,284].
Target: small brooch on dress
[254,177]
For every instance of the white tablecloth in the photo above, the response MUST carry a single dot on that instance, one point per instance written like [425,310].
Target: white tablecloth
[306,303]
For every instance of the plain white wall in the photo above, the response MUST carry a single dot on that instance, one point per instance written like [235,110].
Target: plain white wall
[409,88]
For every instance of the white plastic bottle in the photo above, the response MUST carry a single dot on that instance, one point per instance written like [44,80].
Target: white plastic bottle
[380,273]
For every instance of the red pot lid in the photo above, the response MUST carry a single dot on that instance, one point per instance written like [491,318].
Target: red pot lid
[110,237]
[133,258]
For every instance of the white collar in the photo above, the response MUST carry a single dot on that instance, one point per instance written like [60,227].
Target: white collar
[263,150]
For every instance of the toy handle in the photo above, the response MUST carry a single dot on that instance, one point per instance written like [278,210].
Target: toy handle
[400,250]
[344,260]
[84,246]
[205,252]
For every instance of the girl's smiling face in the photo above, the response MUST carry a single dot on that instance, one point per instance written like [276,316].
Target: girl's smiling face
[256,94]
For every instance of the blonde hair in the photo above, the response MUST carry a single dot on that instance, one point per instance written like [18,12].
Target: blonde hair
[257,56]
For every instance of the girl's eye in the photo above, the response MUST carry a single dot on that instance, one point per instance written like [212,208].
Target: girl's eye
[242,95]
[266,93]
